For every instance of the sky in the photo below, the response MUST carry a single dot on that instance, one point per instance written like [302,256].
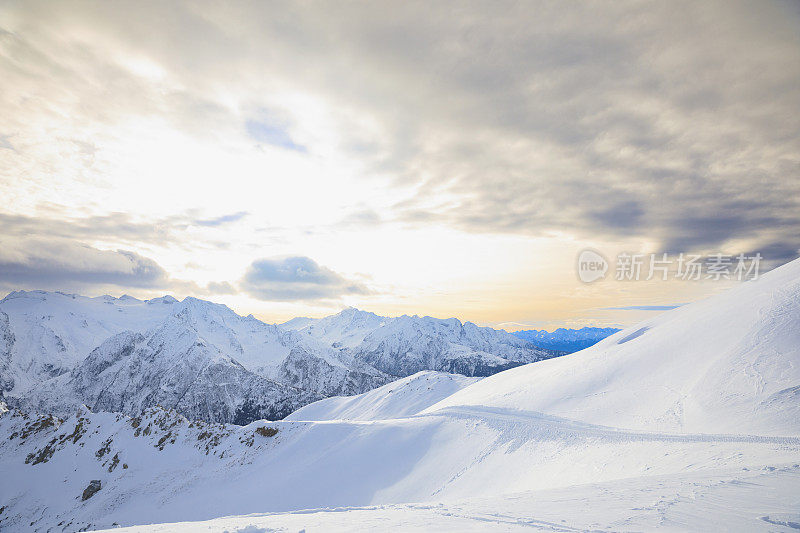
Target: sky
[444,159]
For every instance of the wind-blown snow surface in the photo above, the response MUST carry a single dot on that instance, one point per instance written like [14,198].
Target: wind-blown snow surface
[502,456]
[59,351]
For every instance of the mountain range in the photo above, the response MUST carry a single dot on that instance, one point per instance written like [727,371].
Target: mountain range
[689,421]
[565,339]
[59,351]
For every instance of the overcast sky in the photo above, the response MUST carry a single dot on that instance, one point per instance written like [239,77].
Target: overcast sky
[436,158]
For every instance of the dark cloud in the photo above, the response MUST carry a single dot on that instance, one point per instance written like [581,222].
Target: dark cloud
[671,122]
[775,254]
[295,278]
[60,263]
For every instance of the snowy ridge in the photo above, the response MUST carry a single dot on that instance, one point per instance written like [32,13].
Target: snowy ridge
[727,364]
[405,397]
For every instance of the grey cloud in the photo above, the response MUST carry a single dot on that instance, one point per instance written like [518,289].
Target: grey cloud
[361,218]
[115,227]
[59,263]
[671,122]
[220,287]
[295,278]
[775,254]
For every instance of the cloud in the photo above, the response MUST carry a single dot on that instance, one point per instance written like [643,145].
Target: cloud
[296,278]
[221,287]
[219,221]
[679,128]
[361,218]
[115,227]
[56,263]
[118,227]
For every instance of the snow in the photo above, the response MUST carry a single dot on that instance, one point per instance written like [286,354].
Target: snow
[404,397]
[760,500]
[689,424]
[345,329]
[447,458]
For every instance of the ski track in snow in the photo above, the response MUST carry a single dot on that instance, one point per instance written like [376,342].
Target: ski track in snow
[562,428]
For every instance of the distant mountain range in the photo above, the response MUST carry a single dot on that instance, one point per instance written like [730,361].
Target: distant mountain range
[566,340]
[59,351]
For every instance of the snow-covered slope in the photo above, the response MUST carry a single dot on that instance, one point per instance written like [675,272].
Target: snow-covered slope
[174,473]
[745,500]
[404,397]
[132,462]
[727,364]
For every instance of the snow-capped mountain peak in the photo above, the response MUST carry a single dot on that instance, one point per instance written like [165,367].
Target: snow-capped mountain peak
[61,350]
